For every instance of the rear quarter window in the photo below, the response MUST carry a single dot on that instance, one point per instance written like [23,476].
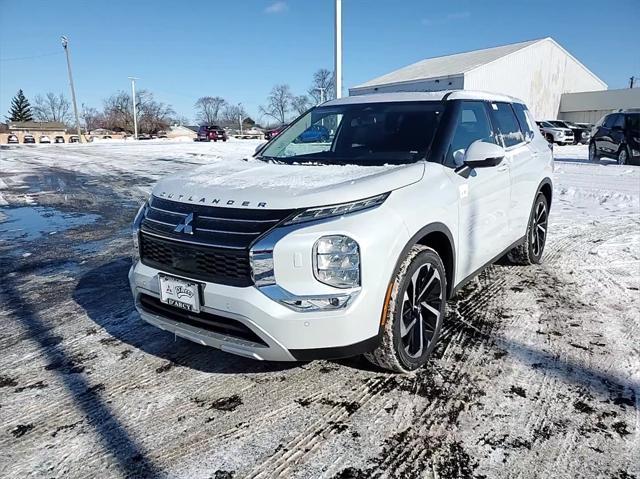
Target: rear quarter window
[523,119]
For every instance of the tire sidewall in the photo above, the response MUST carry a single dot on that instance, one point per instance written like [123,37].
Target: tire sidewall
[539,199]
[425,256]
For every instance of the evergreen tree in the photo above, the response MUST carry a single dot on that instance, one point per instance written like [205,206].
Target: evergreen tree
[20,108]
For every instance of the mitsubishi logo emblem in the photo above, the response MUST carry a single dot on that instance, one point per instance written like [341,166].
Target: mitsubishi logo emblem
[185,227]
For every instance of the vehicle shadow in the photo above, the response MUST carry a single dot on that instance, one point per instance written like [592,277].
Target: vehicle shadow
[104,294]
[130,456]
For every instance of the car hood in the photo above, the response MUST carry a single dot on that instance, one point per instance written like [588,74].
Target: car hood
[254,184]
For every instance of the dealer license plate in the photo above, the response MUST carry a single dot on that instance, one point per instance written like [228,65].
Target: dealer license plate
[179,293]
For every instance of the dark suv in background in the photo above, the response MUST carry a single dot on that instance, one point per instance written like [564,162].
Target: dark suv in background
[213,132]
[617,136]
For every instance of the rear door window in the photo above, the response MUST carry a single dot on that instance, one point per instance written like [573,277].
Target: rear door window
[619,121]
[507,123]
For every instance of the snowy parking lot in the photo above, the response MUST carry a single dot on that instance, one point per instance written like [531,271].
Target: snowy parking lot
[537,375]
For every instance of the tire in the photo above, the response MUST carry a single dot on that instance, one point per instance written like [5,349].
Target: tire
[411,331]
[593,153]
[531,250]
[623,156]
[550,138]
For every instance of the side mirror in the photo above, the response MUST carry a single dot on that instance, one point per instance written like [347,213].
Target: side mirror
[482,154]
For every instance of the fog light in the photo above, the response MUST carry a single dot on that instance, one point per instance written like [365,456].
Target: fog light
[336,261]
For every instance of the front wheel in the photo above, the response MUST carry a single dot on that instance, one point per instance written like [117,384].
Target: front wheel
[413,312]
[531,249]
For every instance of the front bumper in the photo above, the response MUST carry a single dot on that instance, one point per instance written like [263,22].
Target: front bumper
[285,335]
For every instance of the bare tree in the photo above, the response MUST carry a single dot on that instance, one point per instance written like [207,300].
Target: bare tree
[208,109]
[180,120]
[92,118]
[52,107]
[231,114]
[323,87]
[278,103]
[300,104]
[153,115]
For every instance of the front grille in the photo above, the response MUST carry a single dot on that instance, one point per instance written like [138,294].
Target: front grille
[202,320]
[215,265]
[212,225]
[217,248]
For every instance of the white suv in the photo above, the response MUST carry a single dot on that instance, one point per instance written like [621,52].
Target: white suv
[349,242]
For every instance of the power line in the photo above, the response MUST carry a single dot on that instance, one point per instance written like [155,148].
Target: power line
[29,57]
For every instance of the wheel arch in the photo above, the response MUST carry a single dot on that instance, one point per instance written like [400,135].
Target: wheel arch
[546,188]
[438,237]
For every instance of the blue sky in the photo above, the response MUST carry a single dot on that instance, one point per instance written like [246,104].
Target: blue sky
[182,50]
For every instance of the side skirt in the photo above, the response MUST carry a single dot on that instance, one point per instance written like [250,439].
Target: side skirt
[466,280]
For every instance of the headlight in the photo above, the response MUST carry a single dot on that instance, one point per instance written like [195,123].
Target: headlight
[336,261]
[135,229]
[323,212]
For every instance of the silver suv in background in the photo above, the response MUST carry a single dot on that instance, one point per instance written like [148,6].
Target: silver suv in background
[556,134]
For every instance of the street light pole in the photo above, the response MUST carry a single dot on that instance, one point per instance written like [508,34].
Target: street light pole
[321,90]
[338,49]
[65,45]
[133,101]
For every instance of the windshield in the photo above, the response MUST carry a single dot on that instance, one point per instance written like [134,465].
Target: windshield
[360,134]
[558,124]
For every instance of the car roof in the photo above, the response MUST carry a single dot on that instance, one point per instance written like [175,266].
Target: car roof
[422,96]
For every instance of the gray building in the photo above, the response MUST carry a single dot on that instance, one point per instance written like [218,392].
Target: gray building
[538,72]
[590,106]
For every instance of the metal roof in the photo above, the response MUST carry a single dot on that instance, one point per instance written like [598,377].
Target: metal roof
[449,65]
[421,96]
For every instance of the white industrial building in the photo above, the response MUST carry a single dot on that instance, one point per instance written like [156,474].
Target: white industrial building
[538,72]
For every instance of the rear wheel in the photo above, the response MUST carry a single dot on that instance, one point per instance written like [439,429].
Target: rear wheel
[530,251]
[593,153]
[623,156]
[414,312]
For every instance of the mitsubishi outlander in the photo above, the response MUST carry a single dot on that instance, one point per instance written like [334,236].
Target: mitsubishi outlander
[351,243]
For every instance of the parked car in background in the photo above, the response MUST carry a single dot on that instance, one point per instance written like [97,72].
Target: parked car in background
[555,134]
[580,134]
[350,247]
[314,134]
[28,139]
[269,134]
[74,139]
[58,139]
[211,133]
[12,140]
[617,136]
[162,134]
[144,136]
[106,137]
[44,139]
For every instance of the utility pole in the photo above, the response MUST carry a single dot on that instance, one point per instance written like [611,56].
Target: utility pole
[240,117]
[632,81]
[338,49]
[133,101]
[65,45]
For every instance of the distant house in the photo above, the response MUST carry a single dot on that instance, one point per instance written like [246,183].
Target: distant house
[36,128]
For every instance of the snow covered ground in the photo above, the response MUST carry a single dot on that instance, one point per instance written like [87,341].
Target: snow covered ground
[538,373]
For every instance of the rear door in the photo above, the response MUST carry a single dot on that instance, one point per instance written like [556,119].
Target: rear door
[525,174]
[604,140]
[483,192]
